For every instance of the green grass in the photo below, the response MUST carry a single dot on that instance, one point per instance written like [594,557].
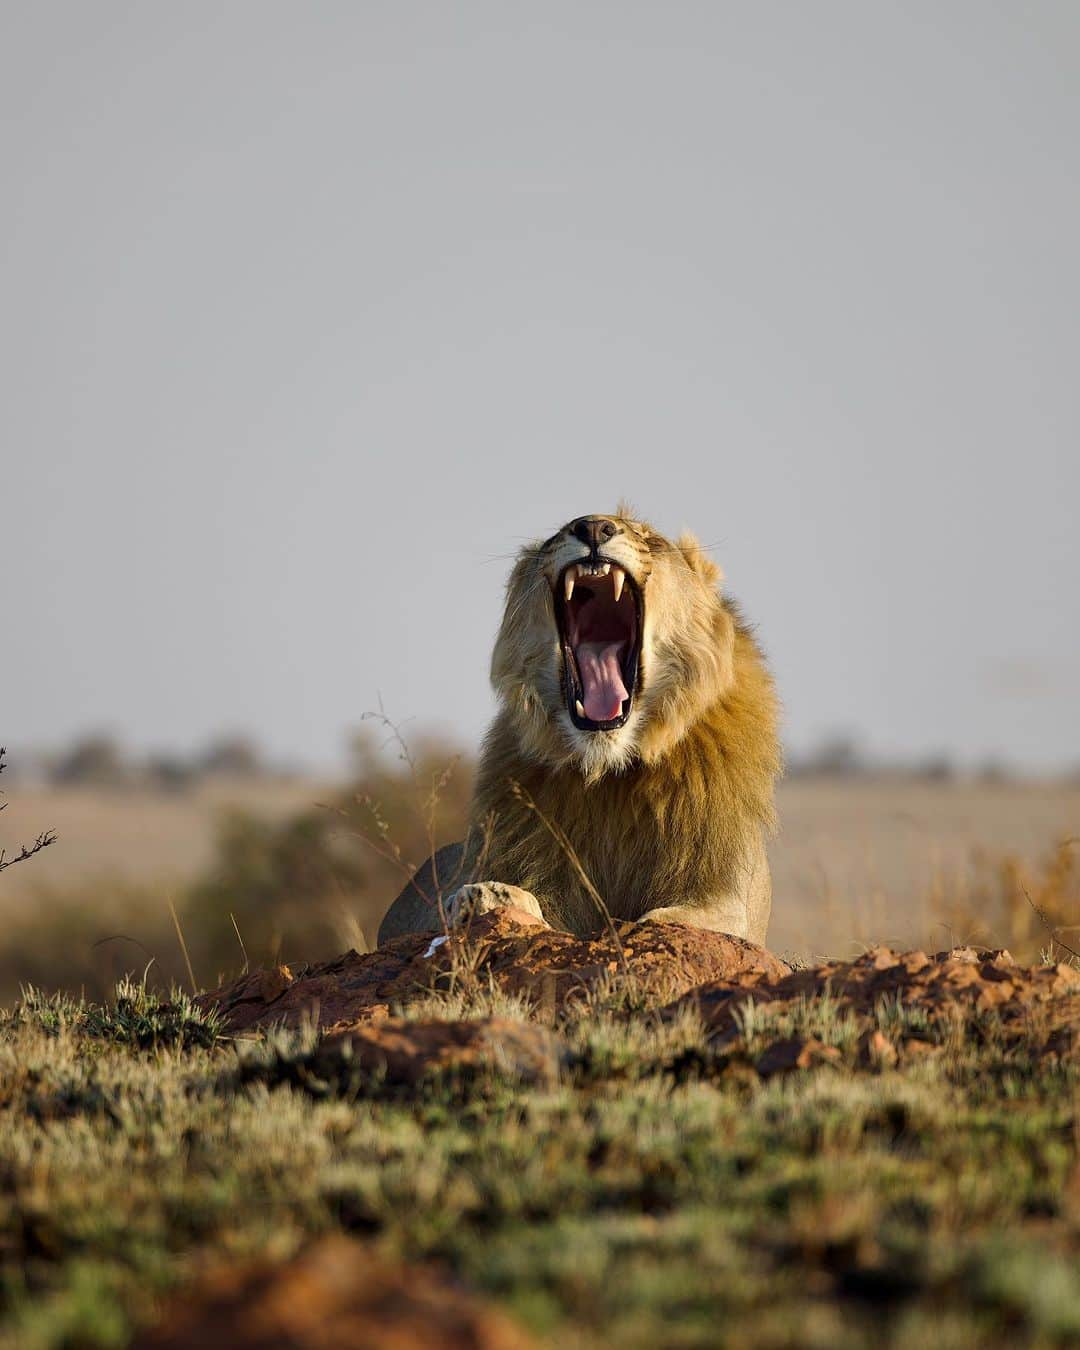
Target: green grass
[659,1194]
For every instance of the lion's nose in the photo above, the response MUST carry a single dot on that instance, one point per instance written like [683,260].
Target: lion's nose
[594,531]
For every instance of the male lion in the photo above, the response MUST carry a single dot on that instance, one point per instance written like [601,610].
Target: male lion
[637,720]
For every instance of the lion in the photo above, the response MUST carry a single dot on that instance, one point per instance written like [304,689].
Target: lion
[632,762]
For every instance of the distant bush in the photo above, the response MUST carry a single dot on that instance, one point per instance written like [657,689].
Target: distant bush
[100,761]
[841,756]
[231,757]
[302,888]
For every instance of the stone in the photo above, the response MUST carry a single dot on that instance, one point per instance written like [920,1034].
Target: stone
[795,1052]
[877,1050]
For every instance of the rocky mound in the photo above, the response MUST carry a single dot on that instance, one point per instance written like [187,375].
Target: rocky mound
[962,977]
[514,951]
[898,1005]
[918,999]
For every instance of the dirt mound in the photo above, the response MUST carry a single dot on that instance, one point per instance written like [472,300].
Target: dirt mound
[513,950]
[336,1295]
[919,995]
[896,1006]
[958,978]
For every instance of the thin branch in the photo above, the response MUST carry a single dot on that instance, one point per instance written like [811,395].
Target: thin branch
[183,946]
[243,949]
[1055,932]
[123,937]
[44,839]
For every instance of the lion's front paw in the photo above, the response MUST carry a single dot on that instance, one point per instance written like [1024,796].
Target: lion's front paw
[480,897]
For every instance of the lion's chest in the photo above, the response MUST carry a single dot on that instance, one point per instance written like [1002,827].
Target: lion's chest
[637,850]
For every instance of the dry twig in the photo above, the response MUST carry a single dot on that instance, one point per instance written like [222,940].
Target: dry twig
[1055,932]
[44,839]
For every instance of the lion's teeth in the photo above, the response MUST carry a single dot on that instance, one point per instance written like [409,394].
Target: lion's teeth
[568,581]
[618,576]
[606,569]
[580,707]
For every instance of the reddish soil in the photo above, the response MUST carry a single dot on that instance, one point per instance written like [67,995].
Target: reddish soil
[517,952]
[336,1295]
[1041,1003]
[671,967]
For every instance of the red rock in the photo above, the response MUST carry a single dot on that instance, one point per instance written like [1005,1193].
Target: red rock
[795,1052]
[876,1049]
[336,1295]
[407,1052]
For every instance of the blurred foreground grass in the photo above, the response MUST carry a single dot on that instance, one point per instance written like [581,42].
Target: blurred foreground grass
[652,1196]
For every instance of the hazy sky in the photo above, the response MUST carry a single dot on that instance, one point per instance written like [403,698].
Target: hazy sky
[312,313]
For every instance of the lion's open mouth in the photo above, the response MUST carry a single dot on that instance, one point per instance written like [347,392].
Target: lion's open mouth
[598,610]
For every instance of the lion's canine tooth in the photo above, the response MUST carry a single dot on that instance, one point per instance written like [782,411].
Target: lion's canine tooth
[568,581]
[580,707]
[618,576]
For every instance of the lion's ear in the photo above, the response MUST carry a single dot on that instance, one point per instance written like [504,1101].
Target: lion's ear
[699,560]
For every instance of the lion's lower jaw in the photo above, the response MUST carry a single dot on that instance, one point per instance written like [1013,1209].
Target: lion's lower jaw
[557,743]
[596,753]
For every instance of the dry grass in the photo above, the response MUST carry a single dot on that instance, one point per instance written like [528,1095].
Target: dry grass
[909,863]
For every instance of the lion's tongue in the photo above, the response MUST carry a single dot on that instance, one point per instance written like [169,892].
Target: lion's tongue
[601,679]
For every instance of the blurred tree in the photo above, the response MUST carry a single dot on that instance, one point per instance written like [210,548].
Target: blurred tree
[169,773]
[231,757]
[838,756]
[94,760]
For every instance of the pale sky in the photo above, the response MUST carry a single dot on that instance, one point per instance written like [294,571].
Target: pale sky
[312,314]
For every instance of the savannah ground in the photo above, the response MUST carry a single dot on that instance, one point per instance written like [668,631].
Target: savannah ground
[658,1192]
